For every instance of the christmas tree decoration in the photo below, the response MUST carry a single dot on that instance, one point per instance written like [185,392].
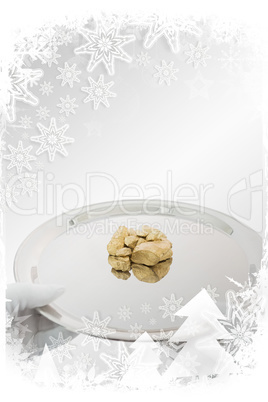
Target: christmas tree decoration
[202,354]
[143,373]
[47,372]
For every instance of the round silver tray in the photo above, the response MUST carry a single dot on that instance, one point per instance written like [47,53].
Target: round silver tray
[70,250]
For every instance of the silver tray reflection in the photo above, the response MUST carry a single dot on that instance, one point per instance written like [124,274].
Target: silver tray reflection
[70,250]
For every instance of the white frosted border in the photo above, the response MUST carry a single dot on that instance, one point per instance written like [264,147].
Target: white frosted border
[27,21]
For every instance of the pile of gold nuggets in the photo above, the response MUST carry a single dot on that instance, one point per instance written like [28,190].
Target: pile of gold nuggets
[147,252]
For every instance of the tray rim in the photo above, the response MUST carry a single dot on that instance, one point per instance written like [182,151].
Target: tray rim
[51,313]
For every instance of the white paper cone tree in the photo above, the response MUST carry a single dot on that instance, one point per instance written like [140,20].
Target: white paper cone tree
[144,371]
[47,372]
[202,355]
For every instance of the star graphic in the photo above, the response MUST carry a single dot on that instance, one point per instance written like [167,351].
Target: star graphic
[98,92]
[170,28]
[199,86]
[197,55]
[171,306]
[212,293]
[143,59]
[105,46]
[96,331]
[120,364]
[19,157]
[135,331]
[28,184]
[166,73]
[52,139]
[162,335]
[67,105]
[68,75]
[60,347]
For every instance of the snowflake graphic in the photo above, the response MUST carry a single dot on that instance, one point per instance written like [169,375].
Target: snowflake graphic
[192,327]
[199,86]
[94,128]
[83,361]
[13,87]
[28,368]
[124,313]
[64,36]
[62,119]
[227,31]
[32,76]
[120,364]
[166,73]
[52,139]
[170,28]
[152,321]
[143,59]
[212,293]
[135,331]
[162,335]
[98,92]
[25,136]
[241,333]
[28,184]
[33,48]
[68,75]
[19,157]
[60,347]
[230,59]
[171,307]
[39,165]
[18,329]
[188,362]
[42,113]
[9,320]
[46,88]
[8,196]
[146,308]
[2,145]
[162,341]
[11,175]
[241,321]
[197,55]
[105,46]
[25,122]
[67,105]
[96,331]
[51,56]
